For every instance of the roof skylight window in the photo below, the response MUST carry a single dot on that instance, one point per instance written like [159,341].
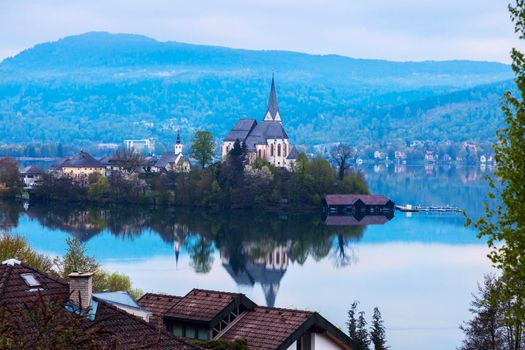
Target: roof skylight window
[30,280]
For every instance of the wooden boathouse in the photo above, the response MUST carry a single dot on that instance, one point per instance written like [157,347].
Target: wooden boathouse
[357,205]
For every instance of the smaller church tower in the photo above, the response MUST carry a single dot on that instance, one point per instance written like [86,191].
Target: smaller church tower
[178,145]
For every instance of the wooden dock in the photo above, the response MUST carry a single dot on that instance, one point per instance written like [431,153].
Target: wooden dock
[428,209]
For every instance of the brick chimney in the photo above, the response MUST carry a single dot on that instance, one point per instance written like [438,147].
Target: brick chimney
[80,288]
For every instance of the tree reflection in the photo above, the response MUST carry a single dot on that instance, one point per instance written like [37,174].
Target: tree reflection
[254,248]
[200,251]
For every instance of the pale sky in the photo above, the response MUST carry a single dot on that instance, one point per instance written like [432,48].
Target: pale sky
[401,30]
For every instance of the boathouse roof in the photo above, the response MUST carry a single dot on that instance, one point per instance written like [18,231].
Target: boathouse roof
[349,199]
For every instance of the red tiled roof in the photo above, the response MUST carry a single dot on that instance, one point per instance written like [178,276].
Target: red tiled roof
[132,332]
[158,304]
[262,327]
[13,288]
[201,305]
[347,199]
[267,328]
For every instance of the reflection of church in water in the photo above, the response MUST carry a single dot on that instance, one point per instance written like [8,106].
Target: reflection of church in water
[267,270]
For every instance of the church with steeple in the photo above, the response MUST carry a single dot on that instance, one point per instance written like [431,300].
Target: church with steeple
[266,139]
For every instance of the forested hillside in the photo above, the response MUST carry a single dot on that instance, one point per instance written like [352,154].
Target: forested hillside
[100,87]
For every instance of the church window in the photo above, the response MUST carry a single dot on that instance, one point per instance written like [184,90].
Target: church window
[284,150]
[278,150]
[271,150]
[259,153]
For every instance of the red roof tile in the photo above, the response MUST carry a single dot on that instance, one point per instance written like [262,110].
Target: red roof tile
[13,288]
[158,304]
[267,328]
[201,305]
[132,332]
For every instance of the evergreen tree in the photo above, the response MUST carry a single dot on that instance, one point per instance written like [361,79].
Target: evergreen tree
[486,329]
[237,156]
[352,321]
[362,339]
[377,334]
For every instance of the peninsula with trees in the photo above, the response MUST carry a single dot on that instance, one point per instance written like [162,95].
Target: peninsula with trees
[258,168]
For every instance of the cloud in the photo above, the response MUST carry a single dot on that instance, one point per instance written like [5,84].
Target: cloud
[395,30]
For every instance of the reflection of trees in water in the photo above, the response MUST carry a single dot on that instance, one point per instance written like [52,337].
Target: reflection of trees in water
[345,253]
[242,237]
[9,215]
[200,251]
[254,248]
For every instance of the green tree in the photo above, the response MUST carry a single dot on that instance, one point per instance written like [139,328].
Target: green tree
[100,190]
[129,161]
[504,222]
[203,147]
[486,330]
[341,155]
[11,183]
[351,322]
[377,333]
[16,247]
[362,338]
[77,259]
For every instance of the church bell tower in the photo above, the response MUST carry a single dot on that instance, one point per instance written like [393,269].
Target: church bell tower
[178,145]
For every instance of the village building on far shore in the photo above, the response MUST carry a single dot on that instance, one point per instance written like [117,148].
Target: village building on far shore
[140,146]
[80,166]
[264,140]
[31,175]
[172,161]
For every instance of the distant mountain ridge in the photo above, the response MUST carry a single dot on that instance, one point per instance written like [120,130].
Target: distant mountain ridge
[100,87]
[101,49]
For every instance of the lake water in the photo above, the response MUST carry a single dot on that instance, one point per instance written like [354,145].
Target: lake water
[420,270]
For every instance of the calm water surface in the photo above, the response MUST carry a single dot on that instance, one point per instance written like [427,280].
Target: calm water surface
[419,270]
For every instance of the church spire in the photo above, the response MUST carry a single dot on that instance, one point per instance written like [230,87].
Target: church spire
[272,112]
[178,144]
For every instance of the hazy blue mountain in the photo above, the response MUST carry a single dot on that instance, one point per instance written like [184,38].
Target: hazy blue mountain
[101,87]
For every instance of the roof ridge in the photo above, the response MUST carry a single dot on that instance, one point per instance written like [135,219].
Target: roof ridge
[285,309]
[213,291]
[159,295]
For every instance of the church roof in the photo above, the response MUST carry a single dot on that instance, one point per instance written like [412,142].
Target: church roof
[241,130]
[294,153]
[264,131]
[273,107]
[167,158]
